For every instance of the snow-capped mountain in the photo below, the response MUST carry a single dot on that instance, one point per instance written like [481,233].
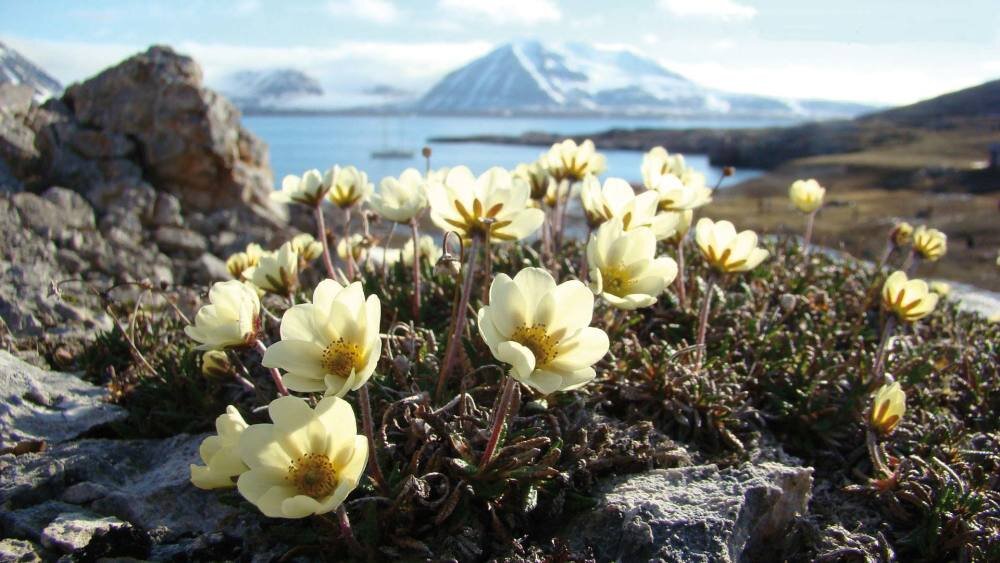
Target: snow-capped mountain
[15,69]
[272,89]
[536,77]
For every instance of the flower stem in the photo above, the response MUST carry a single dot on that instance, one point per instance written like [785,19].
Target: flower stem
[499,416]
[458,324]
[889,247]
[809,232]
[369,430]
[910,263]
[347,244]
[878,369]
[321,233]
[346,532]
[275,375]
[681,282]
[488,270]
[877,455]
[706,305]
[415,302]
[385,254]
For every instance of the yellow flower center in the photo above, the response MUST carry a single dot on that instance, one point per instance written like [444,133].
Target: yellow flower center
[313,475]
[479,221]
[616,280]
[341,358]
[537,339]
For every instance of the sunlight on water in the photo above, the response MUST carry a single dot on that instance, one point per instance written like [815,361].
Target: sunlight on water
[298,143]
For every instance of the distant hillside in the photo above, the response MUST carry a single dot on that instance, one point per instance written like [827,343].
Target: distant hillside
[16,69]
[978,101]
[275,88]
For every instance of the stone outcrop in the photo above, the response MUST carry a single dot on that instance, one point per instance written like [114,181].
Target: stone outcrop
[45,406]
[693,513]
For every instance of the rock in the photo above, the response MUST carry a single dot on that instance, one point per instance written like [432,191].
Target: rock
[28,523]
[145,483]
[180,241]
[188,137]
[693,513]
[17,138]
[8,182]
[73,208]
[207,269]
[167,211]
[47,405]
[21,551]
[83,493]
[71,531]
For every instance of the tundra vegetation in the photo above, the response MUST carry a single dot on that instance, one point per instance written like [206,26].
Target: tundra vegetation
[460,396]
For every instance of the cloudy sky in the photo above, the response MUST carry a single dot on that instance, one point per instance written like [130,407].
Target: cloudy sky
[884,51]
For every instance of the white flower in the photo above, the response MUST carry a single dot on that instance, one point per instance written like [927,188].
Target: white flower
[543,330]
[241,263]
[350,186]
[680,187]
[724,249]
[910,300]
[308,190]
[277,272]
[807,195]
[888,407]
[682,224]
[568,161]
[536,176]
[492,203]
[231,320]
[306,462]
[624,269]
[359,248]
[931,244]
[331,344]
[428,250]
[220,453]
[307,247]
[616,199]
[403,199]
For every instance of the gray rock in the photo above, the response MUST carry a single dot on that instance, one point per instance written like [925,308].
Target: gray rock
[8,182]
[146,482]
[71,531]
[693,513]
[74,208]
[208,268]
[47,405]
[20,551]
[83,493]
[167,211]
[28,523]
[180,241]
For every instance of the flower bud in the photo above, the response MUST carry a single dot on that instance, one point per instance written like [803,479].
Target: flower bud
[888,407]
[215,363]
[901,234]
[728,171]
[426,151]
[447,265]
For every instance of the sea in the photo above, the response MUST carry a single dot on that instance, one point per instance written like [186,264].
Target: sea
[301,142]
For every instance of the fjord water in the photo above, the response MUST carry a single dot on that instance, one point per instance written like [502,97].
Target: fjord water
[298,143]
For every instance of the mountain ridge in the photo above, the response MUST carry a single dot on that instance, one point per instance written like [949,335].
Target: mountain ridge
[15,68]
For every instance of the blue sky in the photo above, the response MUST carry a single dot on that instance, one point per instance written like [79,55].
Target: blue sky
[884,51]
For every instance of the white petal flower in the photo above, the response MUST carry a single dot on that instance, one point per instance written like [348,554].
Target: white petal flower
[617,199]
[492,203]
[220,453]
[543,330]
[428,251]
[888,407]
[330,345]
[308,190]
[931,244]
[231,320]
[307,247]
[726,250]
[536,175]
[569,161]
[680,187]
[402,199]
[624,269]
[350,186]
[909,300]
[807,195]
[242,263]
[359,248]
[306,462]
[277,272]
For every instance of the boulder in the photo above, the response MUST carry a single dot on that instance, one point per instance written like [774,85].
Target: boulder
[188,138]
[22,551]
[70,531]
[178,241]
[48,406]
[693,513]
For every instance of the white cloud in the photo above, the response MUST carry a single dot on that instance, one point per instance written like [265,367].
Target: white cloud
[521,12]
[378,11]
[714,9]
